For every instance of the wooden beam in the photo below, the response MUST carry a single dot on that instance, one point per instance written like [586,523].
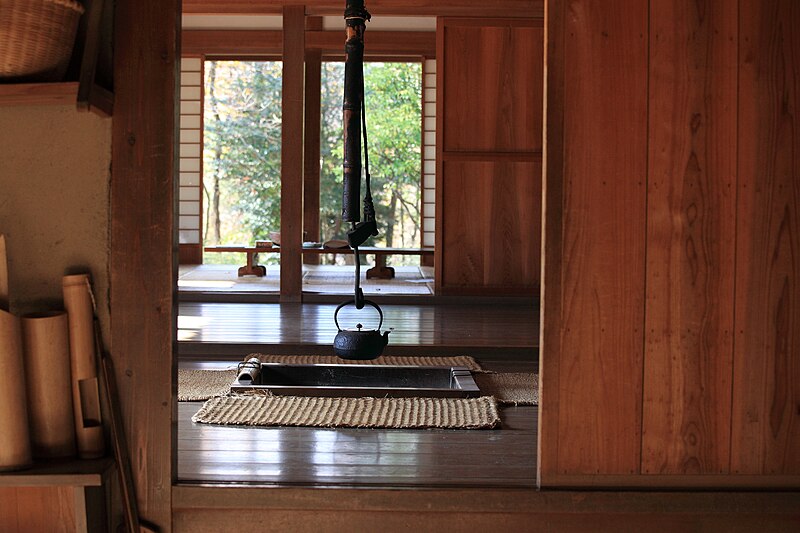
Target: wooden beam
[454,8]
[311,172]
[265,42]
[421,43]
[292,154]
[231,42]
[143,231]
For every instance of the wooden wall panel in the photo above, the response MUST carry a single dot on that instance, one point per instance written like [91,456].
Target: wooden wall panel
[691,228]
[766,409]
[489,142]
[143,232]
[28,509]
[492,86]
[490,210]
[599,380]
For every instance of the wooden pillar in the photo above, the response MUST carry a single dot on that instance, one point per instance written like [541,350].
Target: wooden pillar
[143,256]
[292,154]
[311,172]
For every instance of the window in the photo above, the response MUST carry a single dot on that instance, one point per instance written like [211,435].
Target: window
[393,102]
[241,154]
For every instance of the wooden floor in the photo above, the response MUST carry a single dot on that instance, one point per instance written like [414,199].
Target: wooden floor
[504,457]
[502,338]
[232,330]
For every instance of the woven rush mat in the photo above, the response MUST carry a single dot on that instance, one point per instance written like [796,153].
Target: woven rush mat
[515,388]
[196,385]
[417,413]
[412,360]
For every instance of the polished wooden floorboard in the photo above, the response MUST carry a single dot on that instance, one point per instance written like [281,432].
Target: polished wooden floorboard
[502,337]
[504,457]
[232,330]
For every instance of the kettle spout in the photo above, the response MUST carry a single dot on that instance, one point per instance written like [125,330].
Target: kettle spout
[385,338]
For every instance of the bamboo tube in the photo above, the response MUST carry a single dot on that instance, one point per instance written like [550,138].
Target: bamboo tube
[45,337]
[15,444]
[83,366]
[249,370]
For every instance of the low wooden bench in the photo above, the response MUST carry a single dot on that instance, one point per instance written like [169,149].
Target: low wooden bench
[379,271]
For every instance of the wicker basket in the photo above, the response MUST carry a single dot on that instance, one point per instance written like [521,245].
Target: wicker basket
[36,38]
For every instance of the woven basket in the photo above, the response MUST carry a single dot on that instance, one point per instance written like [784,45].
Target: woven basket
[36,38]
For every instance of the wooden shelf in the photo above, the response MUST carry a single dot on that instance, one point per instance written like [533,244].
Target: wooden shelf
[100,100]
[16,94]
[74,473]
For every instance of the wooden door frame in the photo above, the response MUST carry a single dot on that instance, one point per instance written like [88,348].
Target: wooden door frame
[143,252]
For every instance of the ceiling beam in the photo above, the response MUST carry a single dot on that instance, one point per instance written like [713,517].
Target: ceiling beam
[270,42]
[464,8]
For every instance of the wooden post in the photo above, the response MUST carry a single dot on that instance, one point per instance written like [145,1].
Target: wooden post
[292,154]
[143,257]
[311,171]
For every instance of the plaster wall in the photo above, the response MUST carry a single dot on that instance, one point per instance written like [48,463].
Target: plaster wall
[54,207]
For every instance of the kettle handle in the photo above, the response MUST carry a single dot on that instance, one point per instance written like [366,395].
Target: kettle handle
[366,302]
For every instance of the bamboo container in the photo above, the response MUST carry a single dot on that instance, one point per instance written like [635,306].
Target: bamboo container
[15,444]
[45,338]
[83,366]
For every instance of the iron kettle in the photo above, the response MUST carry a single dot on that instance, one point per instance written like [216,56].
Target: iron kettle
[359,343]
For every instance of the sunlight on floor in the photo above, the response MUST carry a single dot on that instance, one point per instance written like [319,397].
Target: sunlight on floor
[319,279]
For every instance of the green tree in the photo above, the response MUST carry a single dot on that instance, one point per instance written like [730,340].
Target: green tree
[393,102]
[242,152]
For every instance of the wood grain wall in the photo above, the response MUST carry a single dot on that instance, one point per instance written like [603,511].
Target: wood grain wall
[489,146]
[671,313]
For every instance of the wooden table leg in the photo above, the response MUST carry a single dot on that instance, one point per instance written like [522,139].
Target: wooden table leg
[251,268]
[380,270]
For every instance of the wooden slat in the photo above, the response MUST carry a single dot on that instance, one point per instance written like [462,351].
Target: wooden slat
[766,418]
[292,154]
[313,117]
[599,385]
[691,228]
[143,260]
[505,8]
